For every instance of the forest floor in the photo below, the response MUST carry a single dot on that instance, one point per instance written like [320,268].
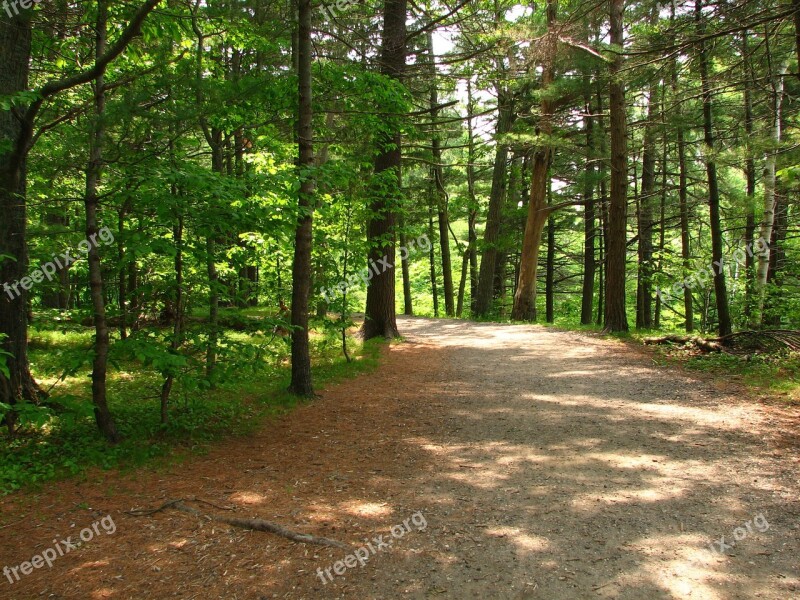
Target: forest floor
[525,462]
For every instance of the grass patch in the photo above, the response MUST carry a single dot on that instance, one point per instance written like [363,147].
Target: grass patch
[60,443]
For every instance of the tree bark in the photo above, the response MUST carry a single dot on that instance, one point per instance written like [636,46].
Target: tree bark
[644,312]
[437,172]
[683,203]
[550,267]
[102,414]
[589,265]
[473,202]
[301,384]
[432,261]
[408,307]
[497,197]
[770,196]
[616,318]
[750,175]
[380,318]
[15,49]
[538,211]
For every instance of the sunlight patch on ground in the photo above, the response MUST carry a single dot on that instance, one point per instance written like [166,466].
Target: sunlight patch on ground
[627,461]
[652,494]
[486,479]
[250,498]
[524,541]
[368,509]
[712,418]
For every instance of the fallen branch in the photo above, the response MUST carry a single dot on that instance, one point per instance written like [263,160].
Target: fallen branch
[251,524]
[767,340]
[708,345]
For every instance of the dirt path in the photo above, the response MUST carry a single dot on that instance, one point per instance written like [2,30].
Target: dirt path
[524,462]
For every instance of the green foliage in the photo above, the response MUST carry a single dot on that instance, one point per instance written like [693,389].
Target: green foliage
[62,440]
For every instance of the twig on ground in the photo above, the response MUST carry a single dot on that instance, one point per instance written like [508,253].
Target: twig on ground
[251,524]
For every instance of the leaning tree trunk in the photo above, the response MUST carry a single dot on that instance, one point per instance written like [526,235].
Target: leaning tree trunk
[380,318]
[616,243]
[538,211]
[720,287]
[301,384]
[102,414]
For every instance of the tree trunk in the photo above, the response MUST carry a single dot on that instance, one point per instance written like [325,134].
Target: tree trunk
[380,318]
[462,282]
[15,49]
[683,200]
[589,266]
[770,196]
[497,197]
[432,260]
[408,308]
[525,296]
[105,422]
[437,172]
[644,312]
[301,384]
[550,269]
[616,318]
[473,202]
[177,328]
[720,288]
[750,175]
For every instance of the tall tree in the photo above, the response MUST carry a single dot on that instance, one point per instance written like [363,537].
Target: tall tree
[616,318]
[437,172]
[497,198]
[380,318]
[301,383]
[105,421]
[589,227]
[770,185]
[538,211]
[720,287]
